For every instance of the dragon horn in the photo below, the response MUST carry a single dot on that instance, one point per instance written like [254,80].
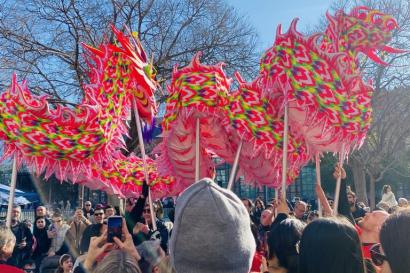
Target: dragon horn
[372,55]
[390,49]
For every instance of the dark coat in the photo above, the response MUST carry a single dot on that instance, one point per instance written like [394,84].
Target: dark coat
[43,242]
[21,231]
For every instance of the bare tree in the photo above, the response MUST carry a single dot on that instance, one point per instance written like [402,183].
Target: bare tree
[41,39]
[385,144]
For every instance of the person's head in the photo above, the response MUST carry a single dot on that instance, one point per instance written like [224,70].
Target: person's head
[57,219]
[7,242]
[330,245]
[266,217]
[259,204]
[164,266]
[386,188]
[65,264]
[300,209]
[283,243]
[351,198]
[217,239]
[395,241]
[16,213]
[41,211]
[78,214]
[403,203]
[99,215]
[118,261]
[40,222]
[109,211]
[146,213]
[29,266]
[248,204]
[373,221]
[87,206]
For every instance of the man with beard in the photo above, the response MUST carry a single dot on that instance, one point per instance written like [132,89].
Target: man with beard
[24,239]
[356,211]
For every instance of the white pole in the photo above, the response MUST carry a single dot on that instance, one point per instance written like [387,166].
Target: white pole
[197,166]
[338,182]
[235,166]
[12,191]
[285,153]
[144,161]
[318,181]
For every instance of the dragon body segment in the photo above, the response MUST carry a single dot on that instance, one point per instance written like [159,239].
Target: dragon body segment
[70,142]
[319,79]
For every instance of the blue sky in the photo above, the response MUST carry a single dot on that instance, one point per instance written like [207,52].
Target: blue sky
[265,15]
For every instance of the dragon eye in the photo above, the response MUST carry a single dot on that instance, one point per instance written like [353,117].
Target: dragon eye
[377,19]
[391,24]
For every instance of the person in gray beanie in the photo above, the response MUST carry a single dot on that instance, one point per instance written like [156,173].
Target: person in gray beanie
[211,231]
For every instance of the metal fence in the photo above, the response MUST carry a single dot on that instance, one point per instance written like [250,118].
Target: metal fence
[28,214]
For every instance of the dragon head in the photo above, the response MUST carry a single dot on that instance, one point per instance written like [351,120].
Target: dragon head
[362,30]
[120,71]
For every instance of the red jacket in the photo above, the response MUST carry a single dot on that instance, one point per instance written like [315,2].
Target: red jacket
[5,268]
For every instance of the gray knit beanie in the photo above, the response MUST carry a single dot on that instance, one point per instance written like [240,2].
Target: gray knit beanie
[211,231]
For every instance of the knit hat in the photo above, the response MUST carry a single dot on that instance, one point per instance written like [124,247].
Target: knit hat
[212,231]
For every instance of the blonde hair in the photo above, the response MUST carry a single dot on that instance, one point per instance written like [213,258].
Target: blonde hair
[118,261]
[165,265]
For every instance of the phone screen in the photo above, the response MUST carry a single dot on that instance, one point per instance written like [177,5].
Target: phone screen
[114,228]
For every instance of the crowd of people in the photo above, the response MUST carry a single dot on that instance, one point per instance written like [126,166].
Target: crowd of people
[210,229]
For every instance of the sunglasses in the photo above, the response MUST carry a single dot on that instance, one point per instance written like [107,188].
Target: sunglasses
[29,270]
[98,214]
[87,205]
[377,257]
[146,211]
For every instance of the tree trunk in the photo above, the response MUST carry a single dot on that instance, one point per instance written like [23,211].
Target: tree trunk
[359,177]
[372,192]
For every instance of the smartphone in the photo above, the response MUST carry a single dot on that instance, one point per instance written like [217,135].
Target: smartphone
[114,228]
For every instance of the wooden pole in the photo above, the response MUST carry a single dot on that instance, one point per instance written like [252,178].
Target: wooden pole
[338,182]
[144,160]
[318,181]
[81,196]
[12,191]
[235,166]
[285,153]
[197,163]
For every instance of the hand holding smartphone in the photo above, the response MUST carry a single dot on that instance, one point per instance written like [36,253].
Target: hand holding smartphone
[114,228]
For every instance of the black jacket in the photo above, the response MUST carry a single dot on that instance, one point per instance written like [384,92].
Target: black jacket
[21,231]
[135,214]
[161,233]
[43,242]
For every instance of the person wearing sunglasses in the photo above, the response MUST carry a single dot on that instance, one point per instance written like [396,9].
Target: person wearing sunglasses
[88,210]
[393,252]
[58,229]
[95,229]
[144,230]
